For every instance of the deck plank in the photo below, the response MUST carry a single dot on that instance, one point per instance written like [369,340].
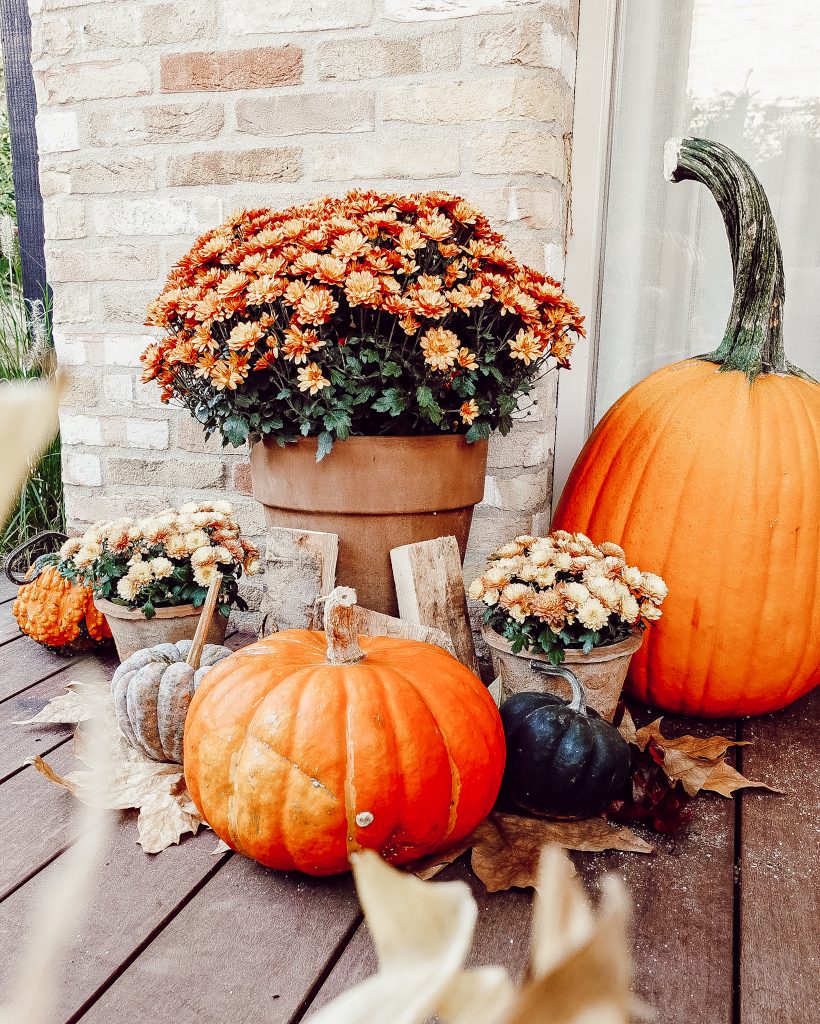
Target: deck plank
[24,662]
[683,905]
[37,820]
[20,742]
[9,630]
[132,895]
[780,872]
[8,590]
[289,926]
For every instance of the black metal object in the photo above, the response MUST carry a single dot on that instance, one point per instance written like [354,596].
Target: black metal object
[20,559]
[22,107]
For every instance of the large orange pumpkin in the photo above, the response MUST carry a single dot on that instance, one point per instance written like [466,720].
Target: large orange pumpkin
[307,746]
[56,612]
[707,472]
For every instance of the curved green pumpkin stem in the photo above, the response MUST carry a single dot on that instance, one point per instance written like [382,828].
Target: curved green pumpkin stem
[753,341]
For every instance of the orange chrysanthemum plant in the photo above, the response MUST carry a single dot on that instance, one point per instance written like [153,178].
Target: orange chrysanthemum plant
[368,314]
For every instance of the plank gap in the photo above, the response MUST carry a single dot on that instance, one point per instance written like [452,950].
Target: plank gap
[146,942]
[324,974]
[36,871]
[69,663]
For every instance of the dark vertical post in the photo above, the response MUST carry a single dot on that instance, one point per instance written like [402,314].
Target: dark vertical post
[15,25]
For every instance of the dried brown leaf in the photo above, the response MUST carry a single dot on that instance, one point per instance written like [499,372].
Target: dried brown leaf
[428,867]
[627,728]
[725,780]
[80,704]
[507,847]
[164,818]
[131,780]
[698,762]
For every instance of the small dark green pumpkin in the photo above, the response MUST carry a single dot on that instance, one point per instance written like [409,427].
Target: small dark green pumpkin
[563,759]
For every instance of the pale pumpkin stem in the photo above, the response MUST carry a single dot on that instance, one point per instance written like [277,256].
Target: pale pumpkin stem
[340,627]
[753,340]
[578,702]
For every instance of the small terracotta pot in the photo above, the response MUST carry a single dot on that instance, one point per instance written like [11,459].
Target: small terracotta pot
[602,672]
[376,493]
[132,631]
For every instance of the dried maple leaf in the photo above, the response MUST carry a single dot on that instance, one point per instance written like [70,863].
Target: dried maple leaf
[507,847]
[80,703]
[428,867]
[131,780]
[653,800]
[697,762]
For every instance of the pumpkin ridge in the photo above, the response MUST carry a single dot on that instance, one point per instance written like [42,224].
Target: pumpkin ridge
[812,432]
[797,445]
[646,452]
[455,778]
[698,696]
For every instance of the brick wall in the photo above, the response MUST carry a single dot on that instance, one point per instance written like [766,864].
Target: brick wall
[158,119]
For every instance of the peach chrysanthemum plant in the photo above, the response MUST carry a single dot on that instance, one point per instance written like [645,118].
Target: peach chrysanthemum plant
[368,314]
[165,560]
[548,594]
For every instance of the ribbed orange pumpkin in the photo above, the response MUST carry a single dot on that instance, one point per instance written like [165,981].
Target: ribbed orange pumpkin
[708,473]
[307,746]
[58,613]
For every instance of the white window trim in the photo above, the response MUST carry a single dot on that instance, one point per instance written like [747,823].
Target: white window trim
[598,33]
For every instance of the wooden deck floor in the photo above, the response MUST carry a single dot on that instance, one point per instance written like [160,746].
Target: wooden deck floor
[725,922]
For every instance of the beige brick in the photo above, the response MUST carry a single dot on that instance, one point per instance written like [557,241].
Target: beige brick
[71,349]
[519,152]
[191,121]
[95,80]
[57,131]
[559,50]
[90,507]
[118,389]
[113,173]
[146,433]
[114,27]
[125,349]
[533,208]
[519,448]
[421,157]
[148,395]
[54,183]
[71,304]
[80,389]
[490,528]
[190,436]
[493,99]
[51,37]
[433,10]
[178,23]
[102,263]
[82,468]
[155,216]
[375,57]
[517,43]
[224,167]
[80,429]
[165,472]
[296,114]
[224,71]
[64,218]
[243,18]
[124,302]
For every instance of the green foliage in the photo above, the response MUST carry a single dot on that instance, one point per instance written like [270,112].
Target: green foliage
[534,636]
[25,352]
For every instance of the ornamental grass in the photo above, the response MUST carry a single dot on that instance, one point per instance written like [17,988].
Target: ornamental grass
[371,314]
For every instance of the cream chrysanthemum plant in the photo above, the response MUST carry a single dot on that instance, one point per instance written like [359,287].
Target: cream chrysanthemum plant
[165,560]
[564,591]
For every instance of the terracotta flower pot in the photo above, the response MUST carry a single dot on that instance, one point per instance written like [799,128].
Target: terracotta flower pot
[132,631]
[602,672]
[376,493]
